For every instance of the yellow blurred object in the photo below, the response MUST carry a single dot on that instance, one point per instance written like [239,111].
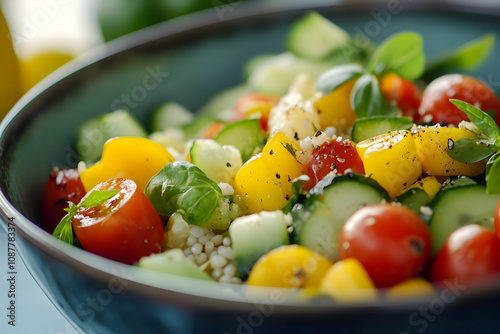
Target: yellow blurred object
[335,108]
[391,159]
[429,184]
[138,159]
[433,143]
[290,266]
[265,181]
[411,289]
[10,86]
[348,282]
[37,67]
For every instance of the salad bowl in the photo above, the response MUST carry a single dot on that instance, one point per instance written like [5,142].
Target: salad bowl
[189,60]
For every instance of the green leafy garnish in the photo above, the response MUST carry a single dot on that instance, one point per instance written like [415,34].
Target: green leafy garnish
[182,187]
[486,146]
[337,76]
[367,98]
[64,230]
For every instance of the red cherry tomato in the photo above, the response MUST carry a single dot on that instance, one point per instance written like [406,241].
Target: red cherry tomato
[470,255]
[253,103]
[392,243]
[402,93]
[124,228]
[332,154]
[436,105]
[61,187]
[496,219]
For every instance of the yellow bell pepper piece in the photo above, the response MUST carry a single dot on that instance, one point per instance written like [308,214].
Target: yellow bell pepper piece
[429,184]
[138,159]
[335,108]
[411,289]
[432,145]
[347,282]
[265,181]
[391,159]
[290,266]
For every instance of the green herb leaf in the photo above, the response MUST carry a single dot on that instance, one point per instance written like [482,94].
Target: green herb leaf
[337,76]
[182,187]
[471,150]
[493,183]
[366,97]
[64,230]
[490,163]
[97,197]
[466,57]
[402,54]
[297,186]
[482,120]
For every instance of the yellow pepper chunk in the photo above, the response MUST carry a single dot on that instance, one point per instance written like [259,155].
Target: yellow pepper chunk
[138,159]
[290,266]
[412,288]
[391,159]
[347,282]
[429,184]
[433,143]
[335,108]
[265,181]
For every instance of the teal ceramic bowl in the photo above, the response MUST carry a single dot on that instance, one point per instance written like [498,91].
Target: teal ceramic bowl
[192,59]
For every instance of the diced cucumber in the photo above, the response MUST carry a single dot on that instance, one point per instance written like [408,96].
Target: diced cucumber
[414,199]
[93,134]
[245,135]
[254,235]
[369,127]
[315,37]
[193,129]
[458,206]
[173,262]
[275,75]
[224,101]
[218,162]
[170,115]
[318,222]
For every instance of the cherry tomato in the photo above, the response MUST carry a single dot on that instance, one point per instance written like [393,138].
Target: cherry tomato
[436,105]
[470,256]
[61,187]
[402,93]
[496,219]
[392,243]
[253,103]
[332,154]
[124,228]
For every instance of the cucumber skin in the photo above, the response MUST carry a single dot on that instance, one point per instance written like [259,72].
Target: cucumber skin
[413,199]
[368,127]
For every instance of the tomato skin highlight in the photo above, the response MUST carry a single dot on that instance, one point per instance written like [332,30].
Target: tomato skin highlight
[62,186]
[333,154]
[392,243]
[470,256]
[124,228]
[435,99]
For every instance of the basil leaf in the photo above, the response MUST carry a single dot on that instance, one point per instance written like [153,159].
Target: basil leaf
[482,120]
[470,150]
[402,54]
[366,97]
[97,197]
[337,76]
[493,183]
[64,230]
[297,186]
[490,163]
[181,186]
[466,57]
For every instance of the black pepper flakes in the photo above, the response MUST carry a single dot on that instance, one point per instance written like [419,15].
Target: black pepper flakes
[228,164]
[278,176]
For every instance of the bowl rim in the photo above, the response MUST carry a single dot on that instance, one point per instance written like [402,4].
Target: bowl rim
[194,26]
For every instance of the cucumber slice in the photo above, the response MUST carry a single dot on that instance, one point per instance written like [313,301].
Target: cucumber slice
[173,262]
[369,127]
[170,115]
[318,222]
[254,235]
[414,199]
[193,129]
[458,206]
[93,134]
[275,75]
[315,37]
[245,135]
[224,101]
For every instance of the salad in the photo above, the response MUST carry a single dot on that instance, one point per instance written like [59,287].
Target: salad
[353,172]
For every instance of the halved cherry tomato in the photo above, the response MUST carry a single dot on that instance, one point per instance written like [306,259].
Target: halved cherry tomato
[392,243]
[470,256]
[62,186]
[332,154]
[124,228]
[254,103]
[402,93]
[496,219]
[436,105]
